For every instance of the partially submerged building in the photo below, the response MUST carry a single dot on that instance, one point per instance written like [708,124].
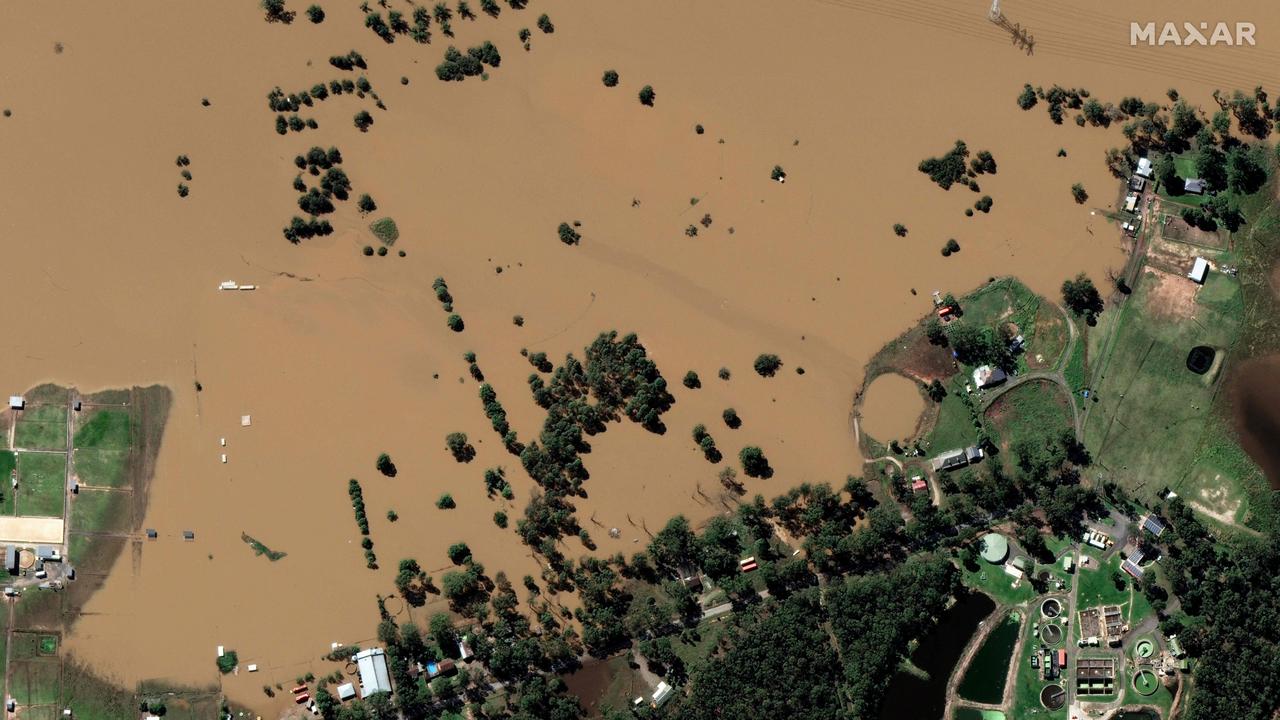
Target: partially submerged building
[374,677]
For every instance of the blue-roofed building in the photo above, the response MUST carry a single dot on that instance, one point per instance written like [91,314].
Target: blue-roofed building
[1153,524]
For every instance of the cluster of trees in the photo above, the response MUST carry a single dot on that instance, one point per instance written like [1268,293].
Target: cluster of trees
[767,364]
[495,481]
[691,380]
[544,24]
[334,183]
[950,168]
[1081,297]
[979,345]
[950,247]
[706,443]
[568,235]
[457,66]
[276,11]
[462,451]
[1057,97]
[647,95]
[294,123]
[351,60]
[1229,617]
[385,466]
[298,229]
[618,379]
[498,418]
[413,583]
[754,463]
[362,521]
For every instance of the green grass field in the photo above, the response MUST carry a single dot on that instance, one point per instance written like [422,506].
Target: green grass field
[1145,429]
[1096,586]
[995,582]
[8,463]
[41,484]
[35,682]
[1049,336]
[1034,412]
[41,427]
[954,428]
[106,429]
[101,468]
[100,511]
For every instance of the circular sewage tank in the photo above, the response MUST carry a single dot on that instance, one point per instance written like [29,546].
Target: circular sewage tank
[1051,608]
[1144,648]
[995,548]
[1146,682]
[1053,697]
[1051,634]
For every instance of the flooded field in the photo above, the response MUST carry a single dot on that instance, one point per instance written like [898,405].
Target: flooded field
[1256,397]
[337,357]
[891,408]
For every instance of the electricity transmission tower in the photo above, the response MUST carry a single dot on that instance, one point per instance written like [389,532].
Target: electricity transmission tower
[1021,37]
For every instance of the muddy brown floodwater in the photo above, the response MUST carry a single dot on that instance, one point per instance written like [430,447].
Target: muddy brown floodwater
[111,276]
[1256,398]
[891,408]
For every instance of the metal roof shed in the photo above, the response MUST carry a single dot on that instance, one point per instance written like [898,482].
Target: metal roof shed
[374,678]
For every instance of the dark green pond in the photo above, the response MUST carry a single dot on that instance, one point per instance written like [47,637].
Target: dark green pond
[909,696]
[985,677]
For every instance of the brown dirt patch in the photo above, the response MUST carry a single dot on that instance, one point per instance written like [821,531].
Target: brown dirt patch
[1176,228]
[914,356]
[1169,296]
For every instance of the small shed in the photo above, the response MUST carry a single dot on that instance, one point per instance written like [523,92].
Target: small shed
[1195,186]
[1199,270]
[918,484]
[47,552]
[188,535]
[346,691]
[1144,168]
[1136,183]
[11,558]
[152,534]
[973,453]
[1131,202]
[464,650]
[16,402]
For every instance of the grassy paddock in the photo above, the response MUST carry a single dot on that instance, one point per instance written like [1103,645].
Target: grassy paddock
[1096,587]
[100,511]
[106,429]
[1151,410]
[101,468]
[1032,412]
[41,484]
[35,682]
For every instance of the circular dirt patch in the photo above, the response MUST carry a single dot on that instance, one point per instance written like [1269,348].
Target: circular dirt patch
[1051,608]
[26,559]
[1146,682]
[891,408]
[1144,648]
[1053,697]
[1200,359]
[1051,634]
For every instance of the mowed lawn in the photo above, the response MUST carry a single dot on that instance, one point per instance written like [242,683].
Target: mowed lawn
[1097,586]
[1145,429]
[41,483]
[100,511]
[41,427]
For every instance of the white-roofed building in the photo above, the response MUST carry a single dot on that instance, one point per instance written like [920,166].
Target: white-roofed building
[1199,270]
[374,677]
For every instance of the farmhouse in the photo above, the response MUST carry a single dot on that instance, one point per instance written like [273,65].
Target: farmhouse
[1131,202]
[1195,186]
[1136,183]
[987,376]
[949,460]
[918,484]
[374,678]
[1144,168]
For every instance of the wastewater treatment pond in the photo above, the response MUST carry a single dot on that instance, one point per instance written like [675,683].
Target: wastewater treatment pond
[984,679]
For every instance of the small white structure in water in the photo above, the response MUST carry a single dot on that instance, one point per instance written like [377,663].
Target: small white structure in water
[245,421]
[1199,270]
[228,285]
[16,402]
